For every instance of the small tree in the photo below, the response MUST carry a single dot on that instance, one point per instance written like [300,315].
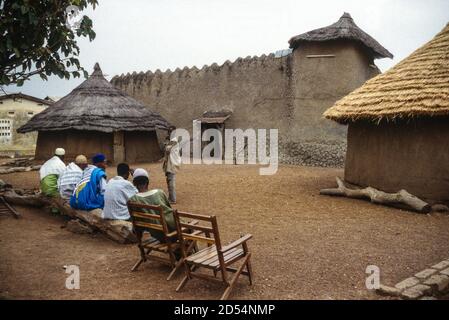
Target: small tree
[37,40]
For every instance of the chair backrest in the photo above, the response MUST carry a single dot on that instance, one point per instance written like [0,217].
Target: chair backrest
[206,224]
[154,219]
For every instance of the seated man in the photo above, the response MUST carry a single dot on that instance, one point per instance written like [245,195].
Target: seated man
[71,176]
[118,191]
[155,197]
[89,193]
[50,172]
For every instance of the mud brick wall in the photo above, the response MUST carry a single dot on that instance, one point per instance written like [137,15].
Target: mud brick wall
[289,93]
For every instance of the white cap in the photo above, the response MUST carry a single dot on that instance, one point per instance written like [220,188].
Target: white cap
[59,152]
[139,172]
[81,159]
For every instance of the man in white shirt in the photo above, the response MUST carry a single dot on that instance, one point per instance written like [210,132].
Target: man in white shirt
[50,171]
[117,193]
[172,162]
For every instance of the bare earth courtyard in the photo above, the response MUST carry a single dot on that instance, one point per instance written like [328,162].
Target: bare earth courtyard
[305,246]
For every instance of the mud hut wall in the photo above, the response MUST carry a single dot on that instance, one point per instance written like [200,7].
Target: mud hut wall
[409,155]
[141,146]
[263,92]
[74,142]
[119,146]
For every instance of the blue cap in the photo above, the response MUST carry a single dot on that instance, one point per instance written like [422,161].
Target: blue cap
[99,157]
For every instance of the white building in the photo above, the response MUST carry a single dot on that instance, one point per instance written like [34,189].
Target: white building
[15,110]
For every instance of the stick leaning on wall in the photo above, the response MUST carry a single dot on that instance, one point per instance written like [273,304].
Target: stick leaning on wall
[401,199]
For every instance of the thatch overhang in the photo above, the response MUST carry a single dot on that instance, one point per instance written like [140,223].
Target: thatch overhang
[344,29]
[418,86]
[96,105]
[217,117]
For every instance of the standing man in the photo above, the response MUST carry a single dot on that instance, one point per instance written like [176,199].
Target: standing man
[71,176]
[50,172]
[172,162]
[118,191]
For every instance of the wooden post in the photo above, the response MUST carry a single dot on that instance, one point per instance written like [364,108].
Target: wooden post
[119,147]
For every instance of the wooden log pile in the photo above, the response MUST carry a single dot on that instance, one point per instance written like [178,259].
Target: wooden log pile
[401,199]
[19,169]
[19,165]
[117,230]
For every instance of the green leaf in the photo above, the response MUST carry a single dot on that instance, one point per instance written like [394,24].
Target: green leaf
[17,52]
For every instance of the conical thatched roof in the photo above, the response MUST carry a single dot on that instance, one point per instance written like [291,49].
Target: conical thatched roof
[96,105]
[345,28]
[417,86]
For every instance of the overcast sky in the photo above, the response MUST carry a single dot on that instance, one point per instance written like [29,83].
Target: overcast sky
[142,35]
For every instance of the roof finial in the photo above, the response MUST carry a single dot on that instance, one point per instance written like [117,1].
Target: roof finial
[346,15]
[97,70]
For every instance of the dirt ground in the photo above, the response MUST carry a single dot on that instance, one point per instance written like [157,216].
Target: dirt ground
[305,246]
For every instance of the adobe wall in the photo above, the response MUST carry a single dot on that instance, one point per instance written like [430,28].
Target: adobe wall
[253,88]
[409,155]
[288,93]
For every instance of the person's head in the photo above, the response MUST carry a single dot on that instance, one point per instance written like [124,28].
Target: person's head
[81,161]
[123,170]
[141,179]
[174,140]
[60,152]
[99,160]
[171,129]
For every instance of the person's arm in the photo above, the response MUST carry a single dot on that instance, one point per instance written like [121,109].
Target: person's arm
[59,181]
[130,191]
[164,198]
[168,148]
[103,184]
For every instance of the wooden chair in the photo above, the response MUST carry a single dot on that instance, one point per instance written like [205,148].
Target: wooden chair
[216,257]
[143,221]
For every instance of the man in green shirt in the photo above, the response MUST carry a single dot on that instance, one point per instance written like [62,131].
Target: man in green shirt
[155,197]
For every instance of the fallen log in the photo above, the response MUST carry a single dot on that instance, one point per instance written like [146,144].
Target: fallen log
[19,169]
[401,199]
[117,230]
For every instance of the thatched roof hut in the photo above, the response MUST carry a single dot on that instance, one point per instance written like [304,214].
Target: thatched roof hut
[399,125]
[344,29]
[417,86]
[97,117]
